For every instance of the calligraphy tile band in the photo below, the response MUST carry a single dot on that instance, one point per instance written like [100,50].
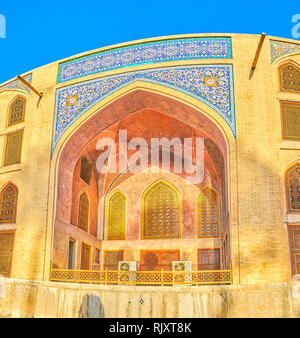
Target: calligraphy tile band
[145,53]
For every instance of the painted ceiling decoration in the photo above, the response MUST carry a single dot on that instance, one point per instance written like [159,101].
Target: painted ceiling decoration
[279,48]
[146,53]
[211,84]
[17,84]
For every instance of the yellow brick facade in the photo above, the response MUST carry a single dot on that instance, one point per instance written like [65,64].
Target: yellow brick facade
[256,164]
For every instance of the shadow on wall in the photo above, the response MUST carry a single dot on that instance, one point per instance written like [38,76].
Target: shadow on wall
[2,287]
[91,307]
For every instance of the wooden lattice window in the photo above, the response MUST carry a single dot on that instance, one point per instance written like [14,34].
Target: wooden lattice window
[6,252]
[16,111]
[112,259]
[289,78]
[293,188]
[85,170]
[161,211]
[13,148]
[290,112]
[294,242]
[83,212]
[8,204]
[208,259]
[208,213]
[116,216]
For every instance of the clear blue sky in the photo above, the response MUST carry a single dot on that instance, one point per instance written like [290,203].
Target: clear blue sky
[40,32]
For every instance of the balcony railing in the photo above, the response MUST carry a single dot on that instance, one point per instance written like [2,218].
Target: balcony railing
[167,278]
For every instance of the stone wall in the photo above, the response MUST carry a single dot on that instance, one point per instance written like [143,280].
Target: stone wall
[45,299]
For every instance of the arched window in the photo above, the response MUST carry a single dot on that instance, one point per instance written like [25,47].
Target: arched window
[116,216]
[208,213]
[161,211]
[293,188]
[83,212]
[289,77]
[16,111]
[8,204]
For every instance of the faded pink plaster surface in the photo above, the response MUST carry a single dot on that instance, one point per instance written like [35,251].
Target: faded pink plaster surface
[134,187]
[146,115]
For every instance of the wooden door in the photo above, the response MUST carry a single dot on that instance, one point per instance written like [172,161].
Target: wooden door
[155,260]
[149,261]
[166,259]
[294,242]
[6,252]
[112,259]
[208,259]
[85,257]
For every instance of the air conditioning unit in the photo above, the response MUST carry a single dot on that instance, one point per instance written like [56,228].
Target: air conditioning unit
[127,265]
[181,269]
[125,276]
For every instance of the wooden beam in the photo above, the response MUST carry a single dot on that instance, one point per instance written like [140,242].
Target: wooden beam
[29,86]
[258,50]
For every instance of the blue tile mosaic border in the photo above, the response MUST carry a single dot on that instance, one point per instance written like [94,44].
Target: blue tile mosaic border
[146,53]
[279,48]
[17,84]
[211,84]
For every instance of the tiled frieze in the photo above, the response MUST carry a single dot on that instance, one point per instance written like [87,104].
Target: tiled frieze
[146,53]
[17,84]
[211,84]
[279,48]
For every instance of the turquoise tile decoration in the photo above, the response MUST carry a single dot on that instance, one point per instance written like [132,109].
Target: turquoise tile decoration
[17,84]
[211,84]
[146,53]
[279,48]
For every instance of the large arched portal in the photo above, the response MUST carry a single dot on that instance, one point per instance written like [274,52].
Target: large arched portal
[151,205]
